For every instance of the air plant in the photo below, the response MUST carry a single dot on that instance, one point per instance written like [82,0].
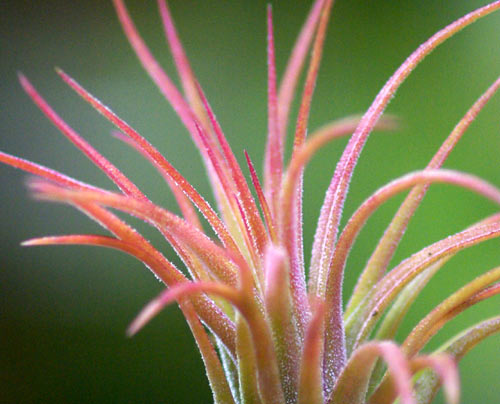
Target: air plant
[269,329]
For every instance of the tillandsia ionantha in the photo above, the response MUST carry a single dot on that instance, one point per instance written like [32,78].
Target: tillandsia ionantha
[271,329]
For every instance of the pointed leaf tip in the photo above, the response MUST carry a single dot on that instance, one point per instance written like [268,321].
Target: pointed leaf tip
[146,314]
[179,291]
[34,242]
[23,80]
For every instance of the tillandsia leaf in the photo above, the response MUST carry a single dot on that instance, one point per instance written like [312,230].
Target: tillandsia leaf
[109,169]
[253,252]
[279,307]
[294,239]
[295,65]
[299,161]
[346,126]
[268,377]
[352,383]
[293,178]
[269,386]
[467,296]
[202,110]
[100,215]
[263,359]
[359,328]
[218,383]
[44,172]
[192,263]
[161,79]
[316,141]
[113,173]
[185,205]
[446,310]
[243,218]
[471,294]
[392,320]
[446,368]
[325,236]
[312,74]
[126,244]
[106,219]
[426,383]
[230,370]
[212,364]
[273,159]
[443,365]
[378,262]
[243,195]
[84,239]
[362,214]
[246,361]
[134,244]
[333,287]
[326,233]
[406,298]
[165,168]
[311,368]
[216,258]
[206,118]
[188,79]
[177,292]
[266,211]
[212,218]
[174,97]
[258,365]
[192,91]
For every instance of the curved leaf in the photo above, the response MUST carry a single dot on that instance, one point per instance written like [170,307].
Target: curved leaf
[426,384]
[442,364]
[389,287]
[378,262]
[397,312]
[449,308]
[215,257]
[154,155]
[177,292]
[352,383]
[333,287]
[326,234]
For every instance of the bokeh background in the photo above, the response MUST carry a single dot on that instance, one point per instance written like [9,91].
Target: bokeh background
[64,310]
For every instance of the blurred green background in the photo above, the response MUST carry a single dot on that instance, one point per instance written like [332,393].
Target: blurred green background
[63,311]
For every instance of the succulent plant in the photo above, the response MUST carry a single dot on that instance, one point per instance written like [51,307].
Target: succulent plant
[270,327]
